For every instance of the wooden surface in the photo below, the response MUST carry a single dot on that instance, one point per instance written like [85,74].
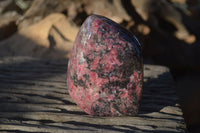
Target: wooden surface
[34,98]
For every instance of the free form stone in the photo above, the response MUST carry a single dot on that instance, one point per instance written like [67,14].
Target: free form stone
[105,69]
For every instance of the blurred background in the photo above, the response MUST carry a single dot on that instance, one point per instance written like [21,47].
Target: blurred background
[169,31]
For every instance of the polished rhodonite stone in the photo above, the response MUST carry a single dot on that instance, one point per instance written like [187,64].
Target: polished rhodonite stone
[105,69]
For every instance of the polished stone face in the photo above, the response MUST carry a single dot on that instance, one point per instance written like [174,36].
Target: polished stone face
[105,69]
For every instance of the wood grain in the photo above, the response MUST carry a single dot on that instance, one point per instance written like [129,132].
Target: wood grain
[34,98]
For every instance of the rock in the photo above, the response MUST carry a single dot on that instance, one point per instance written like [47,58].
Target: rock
[52,37]
[36,100]
[105,69]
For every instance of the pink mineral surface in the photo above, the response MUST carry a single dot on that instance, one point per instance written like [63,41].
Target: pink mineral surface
[105,72]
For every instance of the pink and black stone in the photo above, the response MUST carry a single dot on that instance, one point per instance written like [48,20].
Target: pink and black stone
[105,69]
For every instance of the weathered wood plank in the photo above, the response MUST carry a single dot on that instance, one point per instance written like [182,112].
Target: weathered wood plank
[34,98]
